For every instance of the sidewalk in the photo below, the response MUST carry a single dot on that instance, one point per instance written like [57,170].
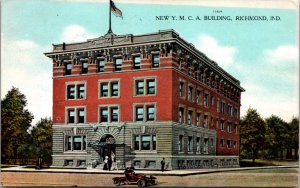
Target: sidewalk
[183,172]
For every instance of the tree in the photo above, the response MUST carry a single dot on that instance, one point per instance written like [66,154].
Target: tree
[294,135]
[15,121]
[252,133]
[277,133]
[41,136]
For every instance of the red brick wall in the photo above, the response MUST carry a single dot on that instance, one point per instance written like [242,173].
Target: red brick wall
[211,110]
[163,95]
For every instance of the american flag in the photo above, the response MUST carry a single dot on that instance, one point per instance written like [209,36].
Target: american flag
[117,12]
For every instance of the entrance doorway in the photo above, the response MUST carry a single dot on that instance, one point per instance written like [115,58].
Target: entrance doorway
[107,147]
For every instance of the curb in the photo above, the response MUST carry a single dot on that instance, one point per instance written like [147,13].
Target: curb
[166,173]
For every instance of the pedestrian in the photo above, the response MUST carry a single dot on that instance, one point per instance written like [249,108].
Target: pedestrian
[109,162]
[162,162]
[114,164]
[117,162]
[105,163]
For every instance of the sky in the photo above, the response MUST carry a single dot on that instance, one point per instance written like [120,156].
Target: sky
[263,55]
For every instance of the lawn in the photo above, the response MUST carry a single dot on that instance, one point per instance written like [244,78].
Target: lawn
[7,165]
[265,162]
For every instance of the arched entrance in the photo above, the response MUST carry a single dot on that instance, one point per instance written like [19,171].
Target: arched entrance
[107,146]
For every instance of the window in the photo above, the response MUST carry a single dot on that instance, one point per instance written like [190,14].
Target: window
[75,91]
[205,121]
[223,107]
[70,92]
[100,65]
[190,117]
[222,142]
[114,89]
[181,89]
[212,100]
[84,67]
[234,144]
[222,125]
[217,123]
[109,113]
[180,143]
[81,115]
[104,90]
[236,113]
[155,60]
[114,114]
[140,88]
[69,143]
[71,116]
[230,110]
[137,142]
[68,162]
[205,147]
[109,88]
[76,115]
[144,112]
[235,128]
[154,142]
[150,87]
[181,115]
[198,119]
[190,143]
[68,69]
[139,113]
[144,142]
[228,143]
[75,143]
[81,163]
[150,113]
[198,97]
[218,105]
[104,115]
[190,93]
[198,144]
[145,87]
[118,64]
[206,99]
[80,91]
[229,127]
[137,62]
[150,164]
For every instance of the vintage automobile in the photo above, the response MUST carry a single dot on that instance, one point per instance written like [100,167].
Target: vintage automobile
[131,178]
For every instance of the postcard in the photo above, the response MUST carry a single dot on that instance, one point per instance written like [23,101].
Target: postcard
[150,93]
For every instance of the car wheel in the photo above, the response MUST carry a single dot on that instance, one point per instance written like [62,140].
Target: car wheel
[141,183]
[118,182]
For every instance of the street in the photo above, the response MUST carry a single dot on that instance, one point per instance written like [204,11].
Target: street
[276,177]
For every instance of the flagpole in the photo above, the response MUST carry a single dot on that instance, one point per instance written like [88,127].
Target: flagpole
[109,30]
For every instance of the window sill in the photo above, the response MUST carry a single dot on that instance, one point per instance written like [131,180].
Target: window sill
[109,97]
[76,99]
[75,123]
[144,151]
[75,151]
[145,95]
[150,121]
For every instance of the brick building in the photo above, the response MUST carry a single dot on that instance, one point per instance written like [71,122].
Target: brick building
[141,98]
